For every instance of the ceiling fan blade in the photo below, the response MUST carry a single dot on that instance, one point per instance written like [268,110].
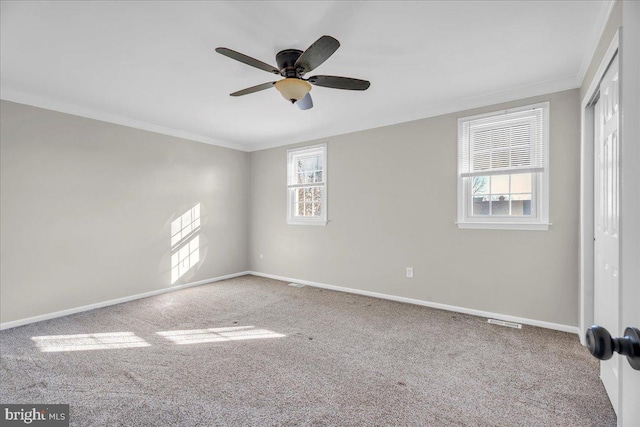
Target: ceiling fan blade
[247,60]
[317,53]
[305,103]
[253,89]
[336,82]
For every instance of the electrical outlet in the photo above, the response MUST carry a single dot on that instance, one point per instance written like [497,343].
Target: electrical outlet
[261,256]
[410,272]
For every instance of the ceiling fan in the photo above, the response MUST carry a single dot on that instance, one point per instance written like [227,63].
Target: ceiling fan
[293,64]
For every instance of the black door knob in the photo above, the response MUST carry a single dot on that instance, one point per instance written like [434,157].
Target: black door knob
[602,346]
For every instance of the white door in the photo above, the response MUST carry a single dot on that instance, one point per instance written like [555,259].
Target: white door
[606,222]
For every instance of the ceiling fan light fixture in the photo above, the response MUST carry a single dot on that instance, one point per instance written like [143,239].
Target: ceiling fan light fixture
[293,89]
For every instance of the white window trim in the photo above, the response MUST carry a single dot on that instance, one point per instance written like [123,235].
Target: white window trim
[541,220]
[291,218]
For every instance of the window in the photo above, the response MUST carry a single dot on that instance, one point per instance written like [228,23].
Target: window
[503,169]
[307,185]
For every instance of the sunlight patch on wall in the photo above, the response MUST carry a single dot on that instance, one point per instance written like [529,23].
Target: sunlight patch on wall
[236,333]
[184,258]
[82,342]
[187,223]
[185,242]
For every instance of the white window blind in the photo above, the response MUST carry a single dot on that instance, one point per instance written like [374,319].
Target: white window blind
[509,143]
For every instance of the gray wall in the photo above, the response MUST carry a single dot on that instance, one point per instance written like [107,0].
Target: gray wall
[86,208]
[392,204]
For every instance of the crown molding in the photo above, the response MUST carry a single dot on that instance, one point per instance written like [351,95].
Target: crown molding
[601,22]
[19,97]
[410,114]
[387,119]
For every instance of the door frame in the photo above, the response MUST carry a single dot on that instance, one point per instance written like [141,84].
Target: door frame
[630,201]
[587,157]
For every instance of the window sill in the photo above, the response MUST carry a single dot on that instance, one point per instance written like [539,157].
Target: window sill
[307,222]
[504,226]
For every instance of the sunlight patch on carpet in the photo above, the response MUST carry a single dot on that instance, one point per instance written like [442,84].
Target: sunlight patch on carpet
[235,333]
[82,342]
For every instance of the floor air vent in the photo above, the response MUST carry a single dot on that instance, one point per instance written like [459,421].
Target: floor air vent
[296,285]
[505,323]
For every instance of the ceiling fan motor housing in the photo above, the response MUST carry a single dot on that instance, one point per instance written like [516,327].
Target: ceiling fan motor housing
[286,60]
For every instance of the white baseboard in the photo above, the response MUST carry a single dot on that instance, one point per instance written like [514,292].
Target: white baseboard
[40,318]
[488,314]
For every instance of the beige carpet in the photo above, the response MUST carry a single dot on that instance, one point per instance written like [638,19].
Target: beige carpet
[253,351]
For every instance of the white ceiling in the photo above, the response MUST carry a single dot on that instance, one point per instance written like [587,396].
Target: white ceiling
[152,65]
